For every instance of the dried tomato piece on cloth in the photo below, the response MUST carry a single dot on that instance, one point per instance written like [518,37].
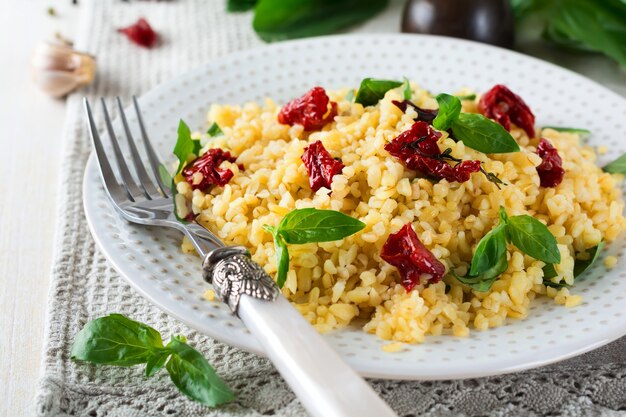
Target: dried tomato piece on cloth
[140,33]
[320,165]
[208,165]
[504,106]
[418,149]
[313,110]
[551,168]
[414,261]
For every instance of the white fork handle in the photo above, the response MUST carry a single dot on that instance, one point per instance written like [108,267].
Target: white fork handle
[324,383]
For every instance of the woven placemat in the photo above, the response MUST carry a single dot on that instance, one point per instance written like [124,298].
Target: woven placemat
[84,285]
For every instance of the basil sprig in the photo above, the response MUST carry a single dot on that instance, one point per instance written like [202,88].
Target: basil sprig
[372,90]
[528,234]
[276,20]
[467,97]
[308,225]
[580,267]
[474,130]
[449,111]
[616,167]
[119,341]
[240,5]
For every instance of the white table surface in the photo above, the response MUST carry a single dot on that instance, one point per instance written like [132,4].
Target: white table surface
[30,137]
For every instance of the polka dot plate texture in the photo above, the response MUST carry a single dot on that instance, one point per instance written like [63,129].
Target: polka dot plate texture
[151,260]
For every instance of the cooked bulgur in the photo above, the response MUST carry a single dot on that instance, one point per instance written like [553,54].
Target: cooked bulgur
[333,283]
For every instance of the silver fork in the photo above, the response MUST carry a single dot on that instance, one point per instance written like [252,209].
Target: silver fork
[325,384]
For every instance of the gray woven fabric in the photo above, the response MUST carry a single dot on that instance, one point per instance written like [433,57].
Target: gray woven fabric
[84,286]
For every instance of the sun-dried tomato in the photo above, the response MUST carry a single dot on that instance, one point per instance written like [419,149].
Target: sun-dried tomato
[551,168]
[208,165]
[140,33]
[414,261]
[313,110]
[320,165]
[504,106]
[425,115]
[418,149]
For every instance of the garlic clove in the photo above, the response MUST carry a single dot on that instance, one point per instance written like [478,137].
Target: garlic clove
[59,69]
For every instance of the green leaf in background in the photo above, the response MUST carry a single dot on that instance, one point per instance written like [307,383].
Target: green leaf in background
[533,238]
[616,167]
[596,25]
[449,110]
[482,134]
[194,377]
[240,5]
[522,8]
[214,130]
[581,266]
[372,90]
[185,145]
[406,89]
[276,20]
[312,225]
[578,131]
[115,340]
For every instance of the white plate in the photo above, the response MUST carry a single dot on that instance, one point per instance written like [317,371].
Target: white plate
[150,258]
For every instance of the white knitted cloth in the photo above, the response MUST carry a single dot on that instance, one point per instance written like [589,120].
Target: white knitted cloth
[84,286]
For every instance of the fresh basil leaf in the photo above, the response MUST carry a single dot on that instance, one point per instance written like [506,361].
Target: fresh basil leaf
[350,95]
[484,281]
[549,272]
[449,110]
[185,145]
[372,90]
[240,5]
[312,225]
[581,266]
[155,361]
[407,89]
[533,238]
[115,340]
[467,97]
[276,20]
[214,130]
[616,167]
[166,178]
[489,251]
[194,377]
[282,260]
[482,134]
[582,132]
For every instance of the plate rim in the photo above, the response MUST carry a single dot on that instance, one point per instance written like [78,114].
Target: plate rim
[366,369]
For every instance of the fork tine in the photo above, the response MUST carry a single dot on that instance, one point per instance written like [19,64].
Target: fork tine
[155,163]
[117,194]
[144,179]
[130,184]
